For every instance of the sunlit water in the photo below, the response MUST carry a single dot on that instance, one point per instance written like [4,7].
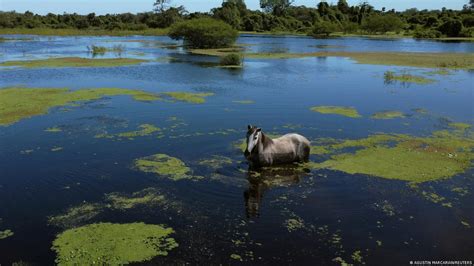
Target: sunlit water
[233,214]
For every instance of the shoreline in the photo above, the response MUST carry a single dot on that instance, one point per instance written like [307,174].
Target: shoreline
[164,32]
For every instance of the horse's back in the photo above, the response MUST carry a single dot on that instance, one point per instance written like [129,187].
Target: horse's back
[296,143]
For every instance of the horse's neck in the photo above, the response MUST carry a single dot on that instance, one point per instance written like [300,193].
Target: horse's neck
[264,143]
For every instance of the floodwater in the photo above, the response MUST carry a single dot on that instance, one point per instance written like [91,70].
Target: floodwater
[228,212]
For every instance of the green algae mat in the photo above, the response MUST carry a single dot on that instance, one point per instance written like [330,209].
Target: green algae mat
[113,244]
[401,157]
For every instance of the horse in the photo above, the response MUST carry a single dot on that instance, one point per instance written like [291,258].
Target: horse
[264,151]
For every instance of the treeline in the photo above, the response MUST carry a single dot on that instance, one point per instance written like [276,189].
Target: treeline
[276,15]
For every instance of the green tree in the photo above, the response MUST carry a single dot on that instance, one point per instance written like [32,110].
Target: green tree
[451,28]
[323,28]
[276,7]
[343,6]
[382,23]
[204,33]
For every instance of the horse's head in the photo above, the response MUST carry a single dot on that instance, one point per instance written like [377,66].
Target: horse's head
[254,135]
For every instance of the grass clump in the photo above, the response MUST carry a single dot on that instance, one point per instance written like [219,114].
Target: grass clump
[116,244]
[20,103]
[97,50]
[189,96]
[144,130]
[403,157]
[231,60]
[390,77]
[337,110]
[73,62]
[164,165]
[459,126]
[388,115]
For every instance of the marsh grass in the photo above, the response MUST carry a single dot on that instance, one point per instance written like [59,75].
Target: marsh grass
[73,62]
[96,50]
[390,77]
[427,60]
[231,60]
[337,110]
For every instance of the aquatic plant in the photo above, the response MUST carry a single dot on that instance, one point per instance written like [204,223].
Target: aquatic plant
[73,62]
[403,157]
[76,215]
[294,224]
[148,196]
[388,115]
[165,165]
[115,244]
[390,77]
[53,129]
[145,130]
[5,234]
[97,50]
[189,96]
[231,60]
[337,110]
[20,103]
[244,102]
[459,126]
[216,161]
[55,149]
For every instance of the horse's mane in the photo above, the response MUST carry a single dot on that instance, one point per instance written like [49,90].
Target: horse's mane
[266,141]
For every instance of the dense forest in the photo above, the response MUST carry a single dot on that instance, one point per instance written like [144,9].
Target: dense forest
[323,19]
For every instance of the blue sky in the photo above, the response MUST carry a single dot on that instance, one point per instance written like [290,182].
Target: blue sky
[134,6]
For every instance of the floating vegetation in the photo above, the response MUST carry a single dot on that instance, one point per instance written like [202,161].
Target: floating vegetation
[388,115]
[20,103]
[164,165]
[435,198]
[53,129]
[420,111]
[390,77]
[403,157]
[466,224]
[386,207]
[145,130]
[357,257]
[244,102]
[441,72]
[460,126]
[236,257]
[294,224]
[216,161]
[73,62]
[6,233]
[77,215]
[189,96]
[107,243]
[96,50]
[147,197]
[55,149]
[461,191]
[337,110]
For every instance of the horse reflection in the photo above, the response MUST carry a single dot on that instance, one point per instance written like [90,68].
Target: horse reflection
[263,179]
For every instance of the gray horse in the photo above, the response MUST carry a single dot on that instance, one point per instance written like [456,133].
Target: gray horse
[264,151]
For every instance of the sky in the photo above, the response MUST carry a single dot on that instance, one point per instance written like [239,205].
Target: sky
[134,6]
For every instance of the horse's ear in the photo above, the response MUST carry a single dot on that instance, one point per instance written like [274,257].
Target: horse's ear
[249,127]
[259,130]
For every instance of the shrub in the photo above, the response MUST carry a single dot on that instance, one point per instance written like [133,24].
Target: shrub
[323,28]
[231,60]
[467,32]
[451,28]
[204,33]
[382,24]
[426,34]
[97,50]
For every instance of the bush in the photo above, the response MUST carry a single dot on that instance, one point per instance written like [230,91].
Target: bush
[323,28]
[467,32]
[204,33]
[97,50]
[426,34]
[231,60]
[382,24]
[451,28]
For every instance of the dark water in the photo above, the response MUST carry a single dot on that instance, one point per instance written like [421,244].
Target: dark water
[234,214]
